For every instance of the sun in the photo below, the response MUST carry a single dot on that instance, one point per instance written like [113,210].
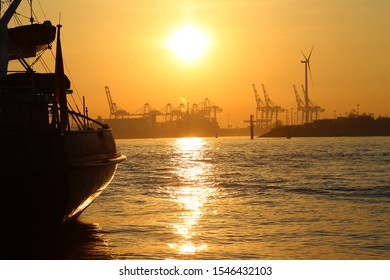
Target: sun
[188,43]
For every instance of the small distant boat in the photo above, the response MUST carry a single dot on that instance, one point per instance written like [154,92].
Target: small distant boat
[50,170]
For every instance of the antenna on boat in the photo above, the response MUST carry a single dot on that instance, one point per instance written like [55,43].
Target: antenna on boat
[31,12]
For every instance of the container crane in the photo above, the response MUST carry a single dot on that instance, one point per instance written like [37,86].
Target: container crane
[313,108]
[271,109]
[115,111]
[167,112]
[260,108]
[209,109]
[300,106]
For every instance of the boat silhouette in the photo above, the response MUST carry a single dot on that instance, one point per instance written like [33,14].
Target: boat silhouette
[54,160]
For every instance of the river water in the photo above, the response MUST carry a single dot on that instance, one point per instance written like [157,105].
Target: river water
[236,198]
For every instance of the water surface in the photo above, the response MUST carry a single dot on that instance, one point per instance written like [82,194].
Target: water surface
[233,198]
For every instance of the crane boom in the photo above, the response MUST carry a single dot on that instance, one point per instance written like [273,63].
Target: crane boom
[266,96]
[298,98]
[112,105]
[115,111]
[259,102]
[255,91]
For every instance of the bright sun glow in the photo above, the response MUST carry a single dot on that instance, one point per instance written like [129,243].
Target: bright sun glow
[188,43]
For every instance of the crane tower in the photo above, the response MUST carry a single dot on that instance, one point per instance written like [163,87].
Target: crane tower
[115,111]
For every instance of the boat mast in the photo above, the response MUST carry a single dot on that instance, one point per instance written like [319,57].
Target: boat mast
[60,87]
[4,39]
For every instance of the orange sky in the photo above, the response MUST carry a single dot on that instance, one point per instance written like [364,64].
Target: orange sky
[120,43]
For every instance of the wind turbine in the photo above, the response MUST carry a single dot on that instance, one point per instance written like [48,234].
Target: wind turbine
[307,67]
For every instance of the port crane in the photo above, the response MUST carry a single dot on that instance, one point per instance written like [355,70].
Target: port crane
[172,114]
[167,112]
[115,111]
[313,108]
[180,111]
[266,111]
[146,110]
[301,108]
[208,110]
[260,109]
[271,109]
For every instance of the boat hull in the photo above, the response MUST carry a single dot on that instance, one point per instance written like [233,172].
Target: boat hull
[41,188]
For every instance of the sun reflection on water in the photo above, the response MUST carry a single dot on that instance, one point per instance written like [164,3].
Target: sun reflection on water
[193,195]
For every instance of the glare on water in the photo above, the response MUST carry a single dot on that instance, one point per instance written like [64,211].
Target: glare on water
[191,195]
[206,198]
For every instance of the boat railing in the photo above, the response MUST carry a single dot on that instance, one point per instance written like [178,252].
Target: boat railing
[22,83]
[78,121]
[84,122]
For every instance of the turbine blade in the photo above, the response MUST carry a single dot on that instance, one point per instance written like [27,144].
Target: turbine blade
[311,77]
[310,52]
[304,55]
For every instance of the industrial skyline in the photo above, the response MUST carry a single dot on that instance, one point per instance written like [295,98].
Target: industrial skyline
[122,45]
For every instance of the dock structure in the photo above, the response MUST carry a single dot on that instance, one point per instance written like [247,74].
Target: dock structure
[204,110]
[184,120]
